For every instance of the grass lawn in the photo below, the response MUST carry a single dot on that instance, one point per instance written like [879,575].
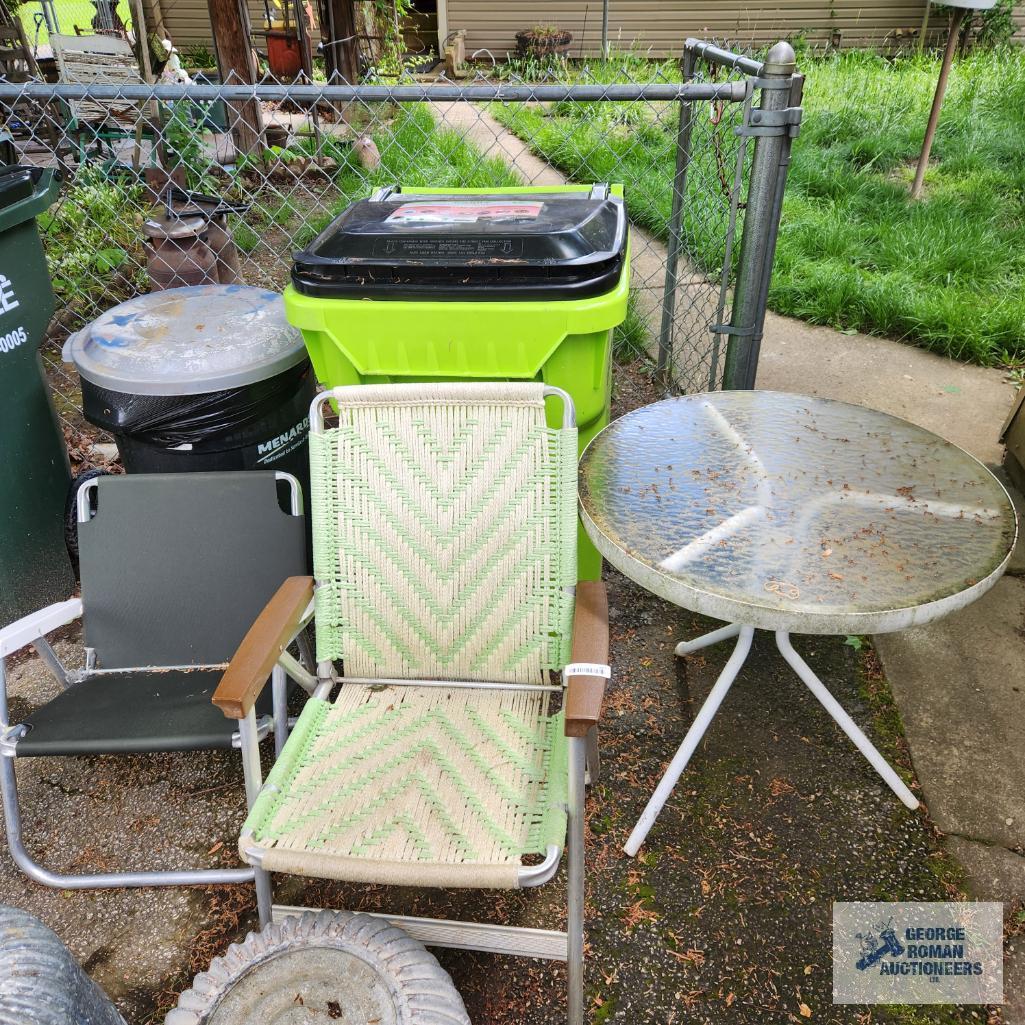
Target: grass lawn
[414,151]
[946,273]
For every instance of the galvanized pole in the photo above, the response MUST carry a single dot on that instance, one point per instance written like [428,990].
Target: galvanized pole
[773,126]
[605,30]
[683,134]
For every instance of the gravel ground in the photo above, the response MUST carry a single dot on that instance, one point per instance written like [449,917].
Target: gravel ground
[725,916]
[102,814]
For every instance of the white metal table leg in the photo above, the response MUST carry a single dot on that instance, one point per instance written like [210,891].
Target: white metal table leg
[691,741]
[843,720]
[724,633]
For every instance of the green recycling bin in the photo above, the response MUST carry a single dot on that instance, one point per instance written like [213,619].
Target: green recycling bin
[447,284]
[34,566]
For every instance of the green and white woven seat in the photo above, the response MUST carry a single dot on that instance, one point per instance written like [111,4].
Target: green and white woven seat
[438,748]
[444,550]
[415,786]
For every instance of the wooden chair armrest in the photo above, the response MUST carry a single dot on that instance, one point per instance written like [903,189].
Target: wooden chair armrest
[275,628]
[584,694]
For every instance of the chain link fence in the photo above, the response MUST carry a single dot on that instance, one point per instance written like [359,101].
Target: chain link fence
[685,140]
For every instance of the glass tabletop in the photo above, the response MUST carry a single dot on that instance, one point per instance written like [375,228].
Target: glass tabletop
[791,513]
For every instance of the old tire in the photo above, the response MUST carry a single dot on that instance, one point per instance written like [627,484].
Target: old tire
[40,982]
[329,966]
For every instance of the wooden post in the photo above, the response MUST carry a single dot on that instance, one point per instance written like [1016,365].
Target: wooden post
[923,31]
[302,29]
[956,17]
[142,40]
[338,26]
[230,25]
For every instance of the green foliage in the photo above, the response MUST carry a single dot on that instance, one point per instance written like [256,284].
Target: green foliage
[854,252]
[93,245]
[996,26]
[185,149]
[388,20]
[620,66]
[630,339]
[198,57]
[549,67]
[246,239]
[413,151]
[947,272]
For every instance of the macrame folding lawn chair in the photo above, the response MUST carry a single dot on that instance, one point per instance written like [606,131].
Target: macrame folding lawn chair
[102,60]
[174,568]
[444,525]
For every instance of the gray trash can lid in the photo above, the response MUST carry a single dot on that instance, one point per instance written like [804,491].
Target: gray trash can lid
[187,341]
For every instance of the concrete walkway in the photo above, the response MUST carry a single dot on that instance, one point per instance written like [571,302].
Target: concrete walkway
[962,403]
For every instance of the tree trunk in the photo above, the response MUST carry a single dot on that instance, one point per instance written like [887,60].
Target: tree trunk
[338,27]
[230,23]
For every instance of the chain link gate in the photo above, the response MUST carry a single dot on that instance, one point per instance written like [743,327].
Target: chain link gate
[701,147]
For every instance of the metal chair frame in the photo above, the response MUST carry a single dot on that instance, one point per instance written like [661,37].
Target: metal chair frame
[31,631]
[565,946]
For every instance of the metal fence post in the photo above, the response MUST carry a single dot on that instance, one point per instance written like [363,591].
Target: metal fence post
[774,124]
[683,134]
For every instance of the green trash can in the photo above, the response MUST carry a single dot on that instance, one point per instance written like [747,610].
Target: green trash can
[34,566]
[447,284]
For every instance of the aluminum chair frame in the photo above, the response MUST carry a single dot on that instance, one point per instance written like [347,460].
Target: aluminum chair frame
[31,631]
[546,944]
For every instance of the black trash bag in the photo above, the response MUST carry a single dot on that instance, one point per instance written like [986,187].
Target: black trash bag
[169,421]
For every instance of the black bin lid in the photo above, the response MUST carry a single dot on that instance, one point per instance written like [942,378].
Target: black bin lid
[501,246]
[16,183]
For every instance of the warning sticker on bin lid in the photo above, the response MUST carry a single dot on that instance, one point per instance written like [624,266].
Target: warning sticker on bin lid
[462,213]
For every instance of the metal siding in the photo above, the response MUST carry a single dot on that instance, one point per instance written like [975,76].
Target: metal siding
[659,28]
[188,21]
[643,25]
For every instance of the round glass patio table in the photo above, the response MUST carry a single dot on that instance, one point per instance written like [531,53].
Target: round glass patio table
[792,514]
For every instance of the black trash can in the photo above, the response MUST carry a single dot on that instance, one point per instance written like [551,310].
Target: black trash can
[34,566]
[210,377]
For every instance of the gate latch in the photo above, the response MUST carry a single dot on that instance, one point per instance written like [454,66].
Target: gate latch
[773,122]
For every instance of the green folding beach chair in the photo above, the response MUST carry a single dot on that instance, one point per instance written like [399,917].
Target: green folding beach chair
[174,568]
[444,523]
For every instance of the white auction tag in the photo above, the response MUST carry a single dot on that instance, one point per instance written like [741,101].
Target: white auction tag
[588,669]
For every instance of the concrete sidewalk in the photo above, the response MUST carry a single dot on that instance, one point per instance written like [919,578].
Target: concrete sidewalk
[964,404]
[958,683]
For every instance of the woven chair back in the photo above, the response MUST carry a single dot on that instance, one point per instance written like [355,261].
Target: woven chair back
[444,521]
